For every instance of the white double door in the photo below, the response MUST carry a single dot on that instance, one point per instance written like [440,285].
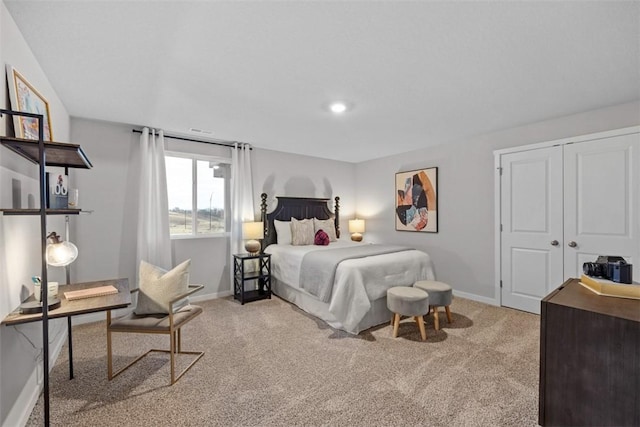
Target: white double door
[564,205]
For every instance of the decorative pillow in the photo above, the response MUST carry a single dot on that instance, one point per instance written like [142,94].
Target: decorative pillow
[302,232]
[158,287]
[283,231]
[328,225]
[322,238]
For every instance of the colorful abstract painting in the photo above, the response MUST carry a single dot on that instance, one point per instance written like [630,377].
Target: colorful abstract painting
[417,200]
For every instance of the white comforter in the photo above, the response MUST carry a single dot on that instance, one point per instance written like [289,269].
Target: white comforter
[357,281]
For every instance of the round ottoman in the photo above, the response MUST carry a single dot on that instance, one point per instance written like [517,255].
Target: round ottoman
[408,301]
[440,295]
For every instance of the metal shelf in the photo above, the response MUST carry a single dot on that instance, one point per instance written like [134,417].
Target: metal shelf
[37,211]
[57,153]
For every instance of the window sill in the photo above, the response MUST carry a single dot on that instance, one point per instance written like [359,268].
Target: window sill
[199,236]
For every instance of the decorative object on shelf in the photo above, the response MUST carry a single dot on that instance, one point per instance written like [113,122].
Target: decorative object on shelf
[59,252]
[252,232]
[73,198]
[356,228]
[52,289]
[417,200]
[25,98]
[32,306]
[57,190]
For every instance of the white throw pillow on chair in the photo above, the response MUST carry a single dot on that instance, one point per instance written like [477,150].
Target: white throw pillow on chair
[158,287]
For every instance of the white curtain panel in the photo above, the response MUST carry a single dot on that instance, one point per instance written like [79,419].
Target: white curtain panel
[241,194]
[154,243]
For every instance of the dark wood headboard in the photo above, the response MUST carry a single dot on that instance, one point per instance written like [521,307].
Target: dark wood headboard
[298,208]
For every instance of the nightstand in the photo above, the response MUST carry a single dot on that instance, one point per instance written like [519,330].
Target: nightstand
[251,268]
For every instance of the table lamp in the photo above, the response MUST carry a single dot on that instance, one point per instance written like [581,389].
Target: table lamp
[252,231]
[58,254]
[356,228]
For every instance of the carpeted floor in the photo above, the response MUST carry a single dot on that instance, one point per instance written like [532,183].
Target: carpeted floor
[269,364]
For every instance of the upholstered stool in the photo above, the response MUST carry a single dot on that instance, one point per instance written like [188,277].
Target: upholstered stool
[407,301]
[440,295]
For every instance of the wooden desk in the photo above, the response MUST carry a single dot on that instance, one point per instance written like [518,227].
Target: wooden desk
[81,306]
[589,358]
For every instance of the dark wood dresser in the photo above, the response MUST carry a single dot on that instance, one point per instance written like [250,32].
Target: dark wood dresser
[589,359]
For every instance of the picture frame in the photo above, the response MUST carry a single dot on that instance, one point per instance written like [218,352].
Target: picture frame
[417,200]
[26,98]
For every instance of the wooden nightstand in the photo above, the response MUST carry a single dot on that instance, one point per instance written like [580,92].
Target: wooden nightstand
[246,271]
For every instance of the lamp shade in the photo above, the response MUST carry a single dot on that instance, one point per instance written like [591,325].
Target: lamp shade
[356,226]
[60,253]
[252,230]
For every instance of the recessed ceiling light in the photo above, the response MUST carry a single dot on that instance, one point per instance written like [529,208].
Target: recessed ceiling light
[338,107]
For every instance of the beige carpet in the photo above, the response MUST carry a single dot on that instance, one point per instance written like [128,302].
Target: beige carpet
[269,364]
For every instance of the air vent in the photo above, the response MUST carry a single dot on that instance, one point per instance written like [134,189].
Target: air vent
[200,131]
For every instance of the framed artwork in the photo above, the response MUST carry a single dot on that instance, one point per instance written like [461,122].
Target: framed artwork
[27,99]
[417,200]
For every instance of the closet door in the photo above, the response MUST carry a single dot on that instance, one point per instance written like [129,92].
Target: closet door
[602,202]
[531,217]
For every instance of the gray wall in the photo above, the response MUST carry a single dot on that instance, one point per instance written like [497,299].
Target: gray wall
[463,249]
[21,346]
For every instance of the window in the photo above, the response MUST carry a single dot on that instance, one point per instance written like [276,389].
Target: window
[198,192]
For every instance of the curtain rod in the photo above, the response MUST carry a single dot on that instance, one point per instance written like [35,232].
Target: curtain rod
[223,144]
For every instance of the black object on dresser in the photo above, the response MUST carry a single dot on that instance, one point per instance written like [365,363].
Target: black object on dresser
[589,359]
[254,268]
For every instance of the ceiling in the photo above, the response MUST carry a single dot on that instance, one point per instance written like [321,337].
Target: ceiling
[414,73]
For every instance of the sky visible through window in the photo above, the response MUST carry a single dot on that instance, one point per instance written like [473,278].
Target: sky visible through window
[179,185]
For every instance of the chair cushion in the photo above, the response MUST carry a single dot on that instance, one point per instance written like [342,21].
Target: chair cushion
[407,301]
[158,287]
[154,322]
[440,294]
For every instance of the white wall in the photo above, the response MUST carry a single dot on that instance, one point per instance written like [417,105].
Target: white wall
[20,346]
[463,249]
[283,174]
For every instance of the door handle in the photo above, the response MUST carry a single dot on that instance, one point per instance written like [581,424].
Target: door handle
[554,243]
[572,244]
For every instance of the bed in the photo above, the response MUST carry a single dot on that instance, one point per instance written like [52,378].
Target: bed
[357,297]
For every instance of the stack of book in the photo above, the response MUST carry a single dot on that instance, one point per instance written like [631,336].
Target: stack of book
[609,288]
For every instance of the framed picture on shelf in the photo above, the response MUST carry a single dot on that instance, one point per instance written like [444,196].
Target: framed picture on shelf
[58,193]
[25,98]
[417,200]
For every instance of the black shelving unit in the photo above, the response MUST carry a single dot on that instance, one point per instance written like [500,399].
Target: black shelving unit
[44,153]
[242,274]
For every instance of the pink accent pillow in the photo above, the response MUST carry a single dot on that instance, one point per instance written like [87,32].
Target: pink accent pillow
[321,239]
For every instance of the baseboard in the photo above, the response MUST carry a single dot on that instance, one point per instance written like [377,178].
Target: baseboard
[207,297]
[474,297]
[26,401]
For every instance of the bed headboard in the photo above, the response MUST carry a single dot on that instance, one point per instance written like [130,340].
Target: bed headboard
[298,208]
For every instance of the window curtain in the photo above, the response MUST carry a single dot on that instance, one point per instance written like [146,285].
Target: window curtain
[241,194]
[154,244]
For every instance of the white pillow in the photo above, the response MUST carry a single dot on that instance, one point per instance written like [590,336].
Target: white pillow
[302,232]
[283,231]
[158,287]
[327,225]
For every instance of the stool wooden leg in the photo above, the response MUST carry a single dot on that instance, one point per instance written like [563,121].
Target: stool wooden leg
[448,310]
[393,317]
[423,332]
[396,324]
[436,320]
